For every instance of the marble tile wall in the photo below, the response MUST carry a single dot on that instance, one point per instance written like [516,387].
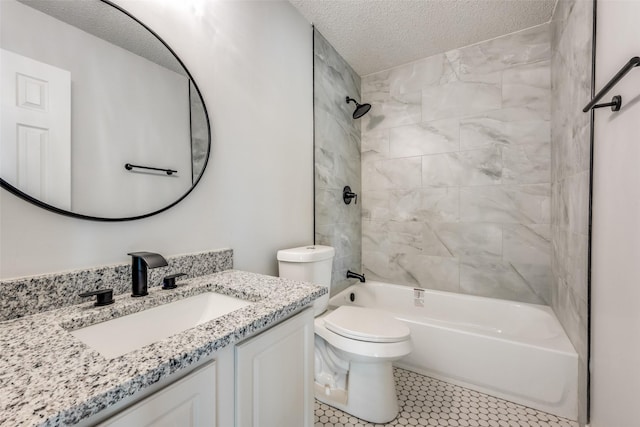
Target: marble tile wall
[337,160]
[456,170]
[570,170]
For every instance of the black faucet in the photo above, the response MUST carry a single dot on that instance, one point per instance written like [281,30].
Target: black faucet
[352,275]
[139,263]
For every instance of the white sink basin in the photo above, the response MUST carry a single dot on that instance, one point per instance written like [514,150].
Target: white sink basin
[124,334]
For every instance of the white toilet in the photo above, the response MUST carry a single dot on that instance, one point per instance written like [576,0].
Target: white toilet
[354,346]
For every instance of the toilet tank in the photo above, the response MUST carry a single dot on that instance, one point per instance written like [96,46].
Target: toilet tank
[309,264]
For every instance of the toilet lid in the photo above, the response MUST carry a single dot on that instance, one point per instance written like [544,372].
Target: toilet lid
[365,324]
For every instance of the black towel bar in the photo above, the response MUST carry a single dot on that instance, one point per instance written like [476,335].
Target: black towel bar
[616,101]
[129,166]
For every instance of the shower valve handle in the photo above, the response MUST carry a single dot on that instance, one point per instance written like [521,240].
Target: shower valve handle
[347,195]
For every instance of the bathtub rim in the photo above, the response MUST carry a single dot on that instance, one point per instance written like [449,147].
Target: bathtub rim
[561,343]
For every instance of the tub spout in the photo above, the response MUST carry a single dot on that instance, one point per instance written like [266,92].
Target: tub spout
[352,275]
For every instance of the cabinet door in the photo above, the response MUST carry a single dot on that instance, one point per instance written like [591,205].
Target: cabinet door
[274,376]
[189,402]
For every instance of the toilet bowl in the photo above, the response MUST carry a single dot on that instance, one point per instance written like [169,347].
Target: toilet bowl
[364,342]
[354,346]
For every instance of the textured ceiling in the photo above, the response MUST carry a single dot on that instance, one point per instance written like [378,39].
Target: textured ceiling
[374,35]
[108,23]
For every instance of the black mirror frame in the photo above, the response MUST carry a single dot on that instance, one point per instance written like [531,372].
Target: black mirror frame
[13,190]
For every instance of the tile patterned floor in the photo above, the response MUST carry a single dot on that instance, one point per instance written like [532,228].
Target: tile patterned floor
[426,401]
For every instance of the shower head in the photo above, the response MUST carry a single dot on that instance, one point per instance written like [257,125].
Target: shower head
[361,109]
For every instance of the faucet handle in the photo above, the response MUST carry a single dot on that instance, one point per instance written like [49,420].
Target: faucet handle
[104,296]
[169,281]
[347,195]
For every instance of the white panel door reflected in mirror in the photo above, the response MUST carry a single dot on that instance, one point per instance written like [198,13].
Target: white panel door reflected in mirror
[36,128]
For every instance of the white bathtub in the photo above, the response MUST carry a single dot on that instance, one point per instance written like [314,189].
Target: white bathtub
[515,351]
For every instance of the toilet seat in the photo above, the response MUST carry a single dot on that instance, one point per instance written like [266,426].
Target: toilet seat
[366,324]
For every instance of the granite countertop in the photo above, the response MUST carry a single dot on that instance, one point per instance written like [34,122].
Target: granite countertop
[50,378]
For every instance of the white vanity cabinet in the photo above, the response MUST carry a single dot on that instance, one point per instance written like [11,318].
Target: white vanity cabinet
[274,375]
[189,402]
[264,381]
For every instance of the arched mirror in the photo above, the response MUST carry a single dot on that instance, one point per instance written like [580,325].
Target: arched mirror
[100,119]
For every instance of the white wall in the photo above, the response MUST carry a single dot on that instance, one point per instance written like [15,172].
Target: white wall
[615,288]
[253,64]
